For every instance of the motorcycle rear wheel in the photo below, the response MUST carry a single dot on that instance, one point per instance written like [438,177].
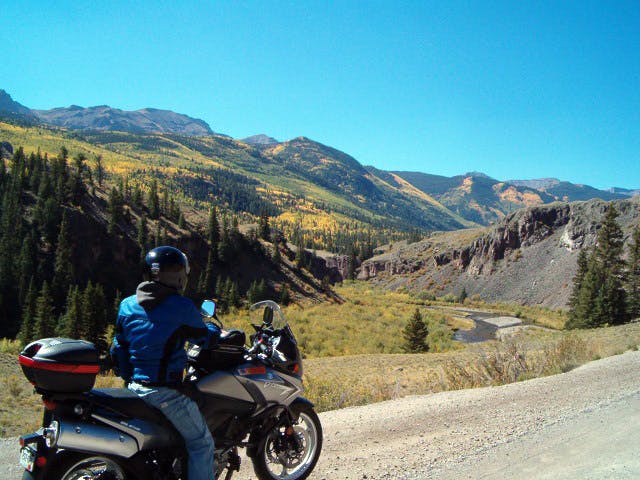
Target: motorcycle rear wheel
[91,468]
[278,459]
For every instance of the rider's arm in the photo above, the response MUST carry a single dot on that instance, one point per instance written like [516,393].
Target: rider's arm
[120,353]
[199,332]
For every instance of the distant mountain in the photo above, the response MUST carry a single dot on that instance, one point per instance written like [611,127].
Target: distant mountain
[537,183]
[624,191]
[260,140]
[482,199]
[11,107]
[103,117]
[475,196]
[567,191]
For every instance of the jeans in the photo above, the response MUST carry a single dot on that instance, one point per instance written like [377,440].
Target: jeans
[183,413]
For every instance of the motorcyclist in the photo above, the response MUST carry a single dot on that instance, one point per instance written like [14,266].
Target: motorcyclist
[148,350]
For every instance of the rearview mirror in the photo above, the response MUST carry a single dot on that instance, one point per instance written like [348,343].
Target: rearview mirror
[208,308]
[267,316]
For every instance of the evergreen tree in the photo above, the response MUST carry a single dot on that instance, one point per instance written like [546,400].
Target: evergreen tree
[285,296]
[63,267]
[165,203]
[264,230]
[463,295]
[76,186]
[583,265]
[72,321]
[45,321]
[225,247]
[137,196]
[611,304]
[633,276]
[10,237]
[99,169]
[213,229]
[48,216]
[143,235]
[25,335]
[153,202]
[234,295]
[415,334]
[94,315]
[598,297]
[114,208]
[27,264]
[206,286]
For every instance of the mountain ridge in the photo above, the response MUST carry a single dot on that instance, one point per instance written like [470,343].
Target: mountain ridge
[320,173]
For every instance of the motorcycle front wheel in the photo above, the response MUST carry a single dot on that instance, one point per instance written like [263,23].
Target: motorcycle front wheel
[91,468]
[290,455]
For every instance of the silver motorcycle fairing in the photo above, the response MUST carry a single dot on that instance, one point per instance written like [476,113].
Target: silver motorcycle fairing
[251,382]
[87,437]
[224,383]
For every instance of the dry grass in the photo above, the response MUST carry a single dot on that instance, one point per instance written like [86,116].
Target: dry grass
[357,380]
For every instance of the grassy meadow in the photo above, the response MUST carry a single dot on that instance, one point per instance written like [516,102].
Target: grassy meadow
[353,351]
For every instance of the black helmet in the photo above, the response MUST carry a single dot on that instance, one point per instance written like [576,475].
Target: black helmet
[167,265]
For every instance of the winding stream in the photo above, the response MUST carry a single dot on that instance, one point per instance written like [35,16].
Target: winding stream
[486,326]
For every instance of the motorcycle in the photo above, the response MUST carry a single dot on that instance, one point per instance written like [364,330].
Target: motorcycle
[251,397]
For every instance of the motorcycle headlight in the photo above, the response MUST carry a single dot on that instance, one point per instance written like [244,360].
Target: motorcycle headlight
[51,434]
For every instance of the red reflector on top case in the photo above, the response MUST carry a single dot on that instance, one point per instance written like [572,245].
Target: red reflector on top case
[57,367]
[252,371]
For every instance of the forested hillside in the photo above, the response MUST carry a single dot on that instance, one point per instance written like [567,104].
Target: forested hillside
[72,238]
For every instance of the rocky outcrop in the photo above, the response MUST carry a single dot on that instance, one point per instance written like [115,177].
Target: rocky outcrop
[529,258]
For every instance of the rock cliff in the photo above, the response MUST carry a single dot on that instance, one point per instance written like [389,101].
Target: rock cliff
[529,257]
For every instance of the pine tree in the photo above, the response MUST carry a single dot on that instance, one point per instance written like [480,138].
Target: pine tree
[99,169]
[583,264]
[63,267]
[598,297]
[70,325]
[415,334]
[285,296]
[633,276]
[114,208]
[213,229]
[143,235]
[611,304]
[27,264]
[463,295]
[252,296]
[25,335]
[76,186]
[264,230]
[137,196]
[153,202]
[45,321]
[94,315]
[207,285]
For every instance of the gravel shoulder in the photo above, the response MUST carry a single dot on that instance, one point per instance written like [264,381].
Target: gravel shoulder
[581,424]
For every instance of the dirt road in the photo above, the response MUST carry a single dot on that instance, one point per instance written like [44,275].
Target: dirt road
[583,424]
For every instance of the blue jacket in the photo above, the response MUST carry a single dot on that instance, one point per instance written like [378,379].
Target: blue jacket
[152,328]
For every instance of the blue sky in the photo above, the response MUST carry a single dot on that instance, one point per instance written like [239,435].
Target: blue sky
[513,89]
